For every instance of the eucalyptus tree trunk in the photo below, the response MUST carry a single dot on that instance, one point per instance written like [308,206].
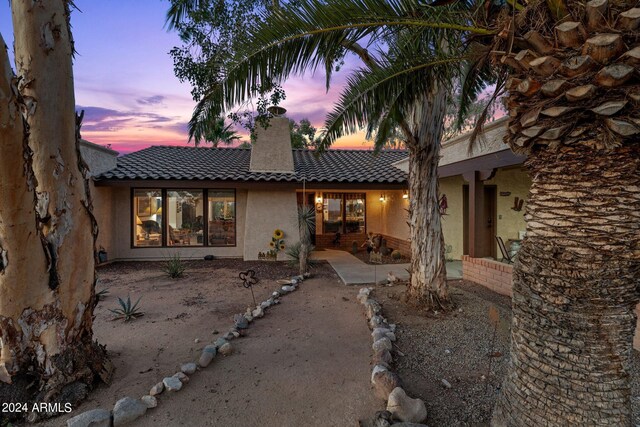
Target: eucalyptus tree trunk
[47,229]
[428,283]
[573,97]
[575,290]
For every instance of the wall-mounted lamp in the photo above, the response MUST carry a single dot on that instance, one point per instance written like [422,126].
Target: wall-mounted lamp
[319,204]
[405,194]
[383,198]
[319,199]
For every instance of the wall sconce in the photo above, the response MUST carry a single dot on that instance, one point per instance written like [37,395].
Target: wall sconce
[319,199]
[383,198]
[405,194]
[319,204]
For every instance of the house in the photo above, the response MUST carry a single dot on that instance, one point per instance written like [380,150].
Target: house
[227,202]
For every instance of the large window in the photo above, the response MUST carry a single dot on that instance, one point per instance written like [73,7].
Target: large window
[222,218]
[147,217]
[188,217]
[343,213]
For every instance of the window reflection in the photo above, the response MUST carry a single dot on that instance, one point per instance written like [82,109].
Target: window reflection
[147,209]
[185,210]
[222,218]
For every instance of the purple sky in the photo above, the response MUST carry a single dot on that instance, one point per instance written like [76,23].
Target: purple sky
[125,83]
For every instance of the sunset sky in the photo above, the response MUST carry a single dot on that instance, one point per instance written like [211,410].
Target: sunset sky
[125,83]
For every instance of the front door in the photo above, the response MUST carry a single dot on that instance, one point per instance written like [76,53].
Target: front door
[489,219]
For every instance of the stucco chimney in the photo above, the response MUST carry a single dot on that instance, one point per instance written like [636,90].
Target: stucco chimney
[271,152]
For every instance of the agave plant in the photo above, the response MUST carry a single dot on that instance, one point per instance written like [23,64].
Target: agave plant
[100,295]
[127,311]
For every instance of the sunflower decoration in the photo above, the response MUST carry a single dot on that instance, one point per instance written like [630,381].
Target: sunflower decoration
[277,241]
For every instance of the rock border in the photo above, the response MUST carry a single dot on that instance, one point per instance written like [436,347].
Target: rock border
[401,410]
[127,409]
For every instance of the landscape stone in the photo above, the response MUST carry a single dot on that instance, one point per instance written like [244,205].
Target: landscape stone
[382,333]
[93,418]
[258,312]
[372,308]
[127,410]
[384,382]
[220,342]
[405,408]
[382,357]
[236,334]
[381,419]
[275,294]
[266,304]
[240,321]
[225,349]
[229,336]
[172,383]
[206,357]
[376,322]
[382,344]
[188,368]
[150,401]
[446,383]
[376,369]
[409,425]
[288,288]
[157,389]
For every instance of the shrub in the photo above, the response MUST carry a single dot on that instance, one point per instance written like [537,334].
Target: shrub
[396,254]
[126,310]
[175,267]
[293,252]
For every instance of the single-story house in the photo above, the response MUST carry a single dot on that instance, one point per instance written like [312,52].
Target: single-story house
[196,201]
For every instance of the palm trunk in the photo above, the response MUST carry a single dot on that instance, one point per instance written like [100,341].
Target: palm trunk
[428,283]
[576,284]
[47,321]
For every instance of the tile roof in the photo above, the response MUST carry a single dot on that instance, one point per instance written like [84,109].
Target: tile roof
[232,164]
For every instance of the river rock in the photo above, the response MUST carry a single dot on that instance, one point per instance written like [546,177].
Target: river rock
[376,322]
[93,418]
[188,368]
[288,288]
[207,355]
[157,389]
[220,342]
[384,382]
[405,408]
[382,333]
[225,349]
[382,344]
[382,357]
[240,321]
[150,401]
[372,308]
[127,410]
[376,369]
[172,383]
[257,313]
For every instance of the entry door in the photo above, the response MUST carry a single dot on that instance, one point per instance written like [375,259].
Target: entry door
[490,219]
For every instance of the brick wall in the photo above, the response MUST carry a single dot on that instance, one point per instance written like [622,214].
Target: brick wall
[492,274]
[326,240]
[403,245]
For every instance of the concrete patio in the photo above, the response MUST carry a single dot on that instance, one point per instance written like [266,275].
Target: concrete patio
[353,271]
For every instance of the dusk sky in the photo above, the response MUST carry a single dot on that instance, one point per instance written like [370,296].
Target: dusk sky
[124,78]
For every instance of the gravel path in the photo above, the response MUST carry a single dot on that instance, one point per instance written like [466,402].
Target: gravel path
[455,348]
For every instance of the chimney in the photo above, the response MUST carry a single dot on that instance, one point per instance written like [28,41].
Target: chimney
[271,152]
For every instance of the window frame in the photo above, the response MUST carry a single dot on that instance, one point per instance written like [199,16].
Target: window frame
[164,225]
[343,218]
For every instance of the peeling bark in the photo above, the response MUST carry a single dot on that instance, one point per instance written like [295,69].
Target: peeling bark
[428,284]
[47,228]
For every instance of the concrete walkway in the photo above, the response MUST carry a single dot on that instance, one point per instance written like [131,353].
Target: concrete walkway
[353,271]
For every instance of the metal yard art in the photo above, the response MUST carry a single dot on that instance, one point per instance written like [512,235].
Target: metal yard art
[248,280]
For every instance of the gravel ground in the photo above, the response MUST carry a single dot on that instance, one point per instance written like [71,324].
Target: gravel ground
[456,347]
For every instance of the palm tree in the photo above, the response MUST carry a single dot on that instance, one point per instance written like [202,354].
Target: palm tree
[573,104]
[215,133]
[404,87]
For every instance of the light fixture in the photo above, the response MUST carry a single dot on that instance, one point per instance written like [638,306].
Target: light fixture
[405,194]
[319,199]
[383,198]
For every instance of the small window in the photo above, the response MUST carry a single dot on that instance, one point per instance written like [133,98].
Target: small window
[354,213]
[222,218]
[185,212]
[147,218]
[332,213]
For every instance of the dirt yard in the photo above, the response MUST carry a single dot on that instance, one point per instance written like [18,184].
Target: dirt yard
[305,363]
[457,347]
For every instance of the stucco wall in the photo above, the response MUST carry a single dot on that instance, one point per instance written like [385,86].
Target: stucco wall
[123,229]
[517,182]
[103,209]
[388,217]
[267,210]
[452,225]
